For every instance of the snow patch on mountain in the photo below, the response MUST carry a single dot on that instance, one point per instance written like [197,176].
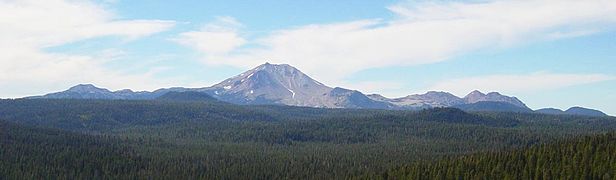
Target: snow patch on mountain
[292,92]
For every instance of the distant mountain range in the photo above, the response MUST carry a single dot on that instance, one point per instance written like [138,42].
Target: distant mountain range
[283,84]
[572,111]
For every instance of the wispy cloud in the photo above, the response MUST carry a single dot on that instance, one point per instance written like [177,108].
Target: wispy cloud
[216,38]
[515,84]
[30,26]
[378,87]
[421,33]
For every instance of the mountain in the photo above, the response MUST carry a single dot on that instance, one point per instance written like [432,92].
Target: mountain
[580,111]
[283,84]
[378,97]
[584,112]
[286,85]
[272,84]
[550,111]
[266,84]
[477,96]
[89,91]
[429,99]
[433,99]
[493,106]
[346,98]
[84,91]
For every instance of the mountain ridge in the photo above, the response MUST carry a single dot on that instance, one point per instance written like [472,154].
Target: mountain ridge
[576,110]
[284,84]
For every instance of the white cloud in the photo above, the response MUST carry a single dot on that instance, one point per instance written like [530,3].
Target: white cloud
[378,87]
[516,84]
[54,22]
[219,37]
[30,26]
[420,34]
[571,34]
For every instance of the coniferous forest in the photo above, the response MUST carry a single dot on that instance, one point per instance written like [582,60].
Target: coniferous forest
[589,157]
[169,139]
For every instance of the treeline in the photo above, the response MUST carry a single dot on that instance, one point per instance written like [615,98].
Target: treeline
[592,157]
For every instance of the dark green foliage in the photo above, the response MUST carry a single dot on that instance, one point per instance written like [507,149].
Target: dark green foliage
[484,106]
[584,112]
[101,115]
[186,96]
[34,153]
[215,140]
[592,157]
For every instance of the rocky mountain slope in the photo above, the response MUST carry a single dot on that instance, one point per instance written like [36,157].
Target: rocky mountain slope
[273,84]
[433,99]
[420,101]
[477,96]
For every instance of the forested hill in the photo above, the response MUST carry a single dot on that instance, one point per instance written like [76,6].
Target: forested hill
[591,157]
[176,139]
[103,115]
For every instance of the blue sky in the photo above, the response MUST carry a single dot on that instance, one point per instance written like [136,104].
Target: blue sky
[548,54]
